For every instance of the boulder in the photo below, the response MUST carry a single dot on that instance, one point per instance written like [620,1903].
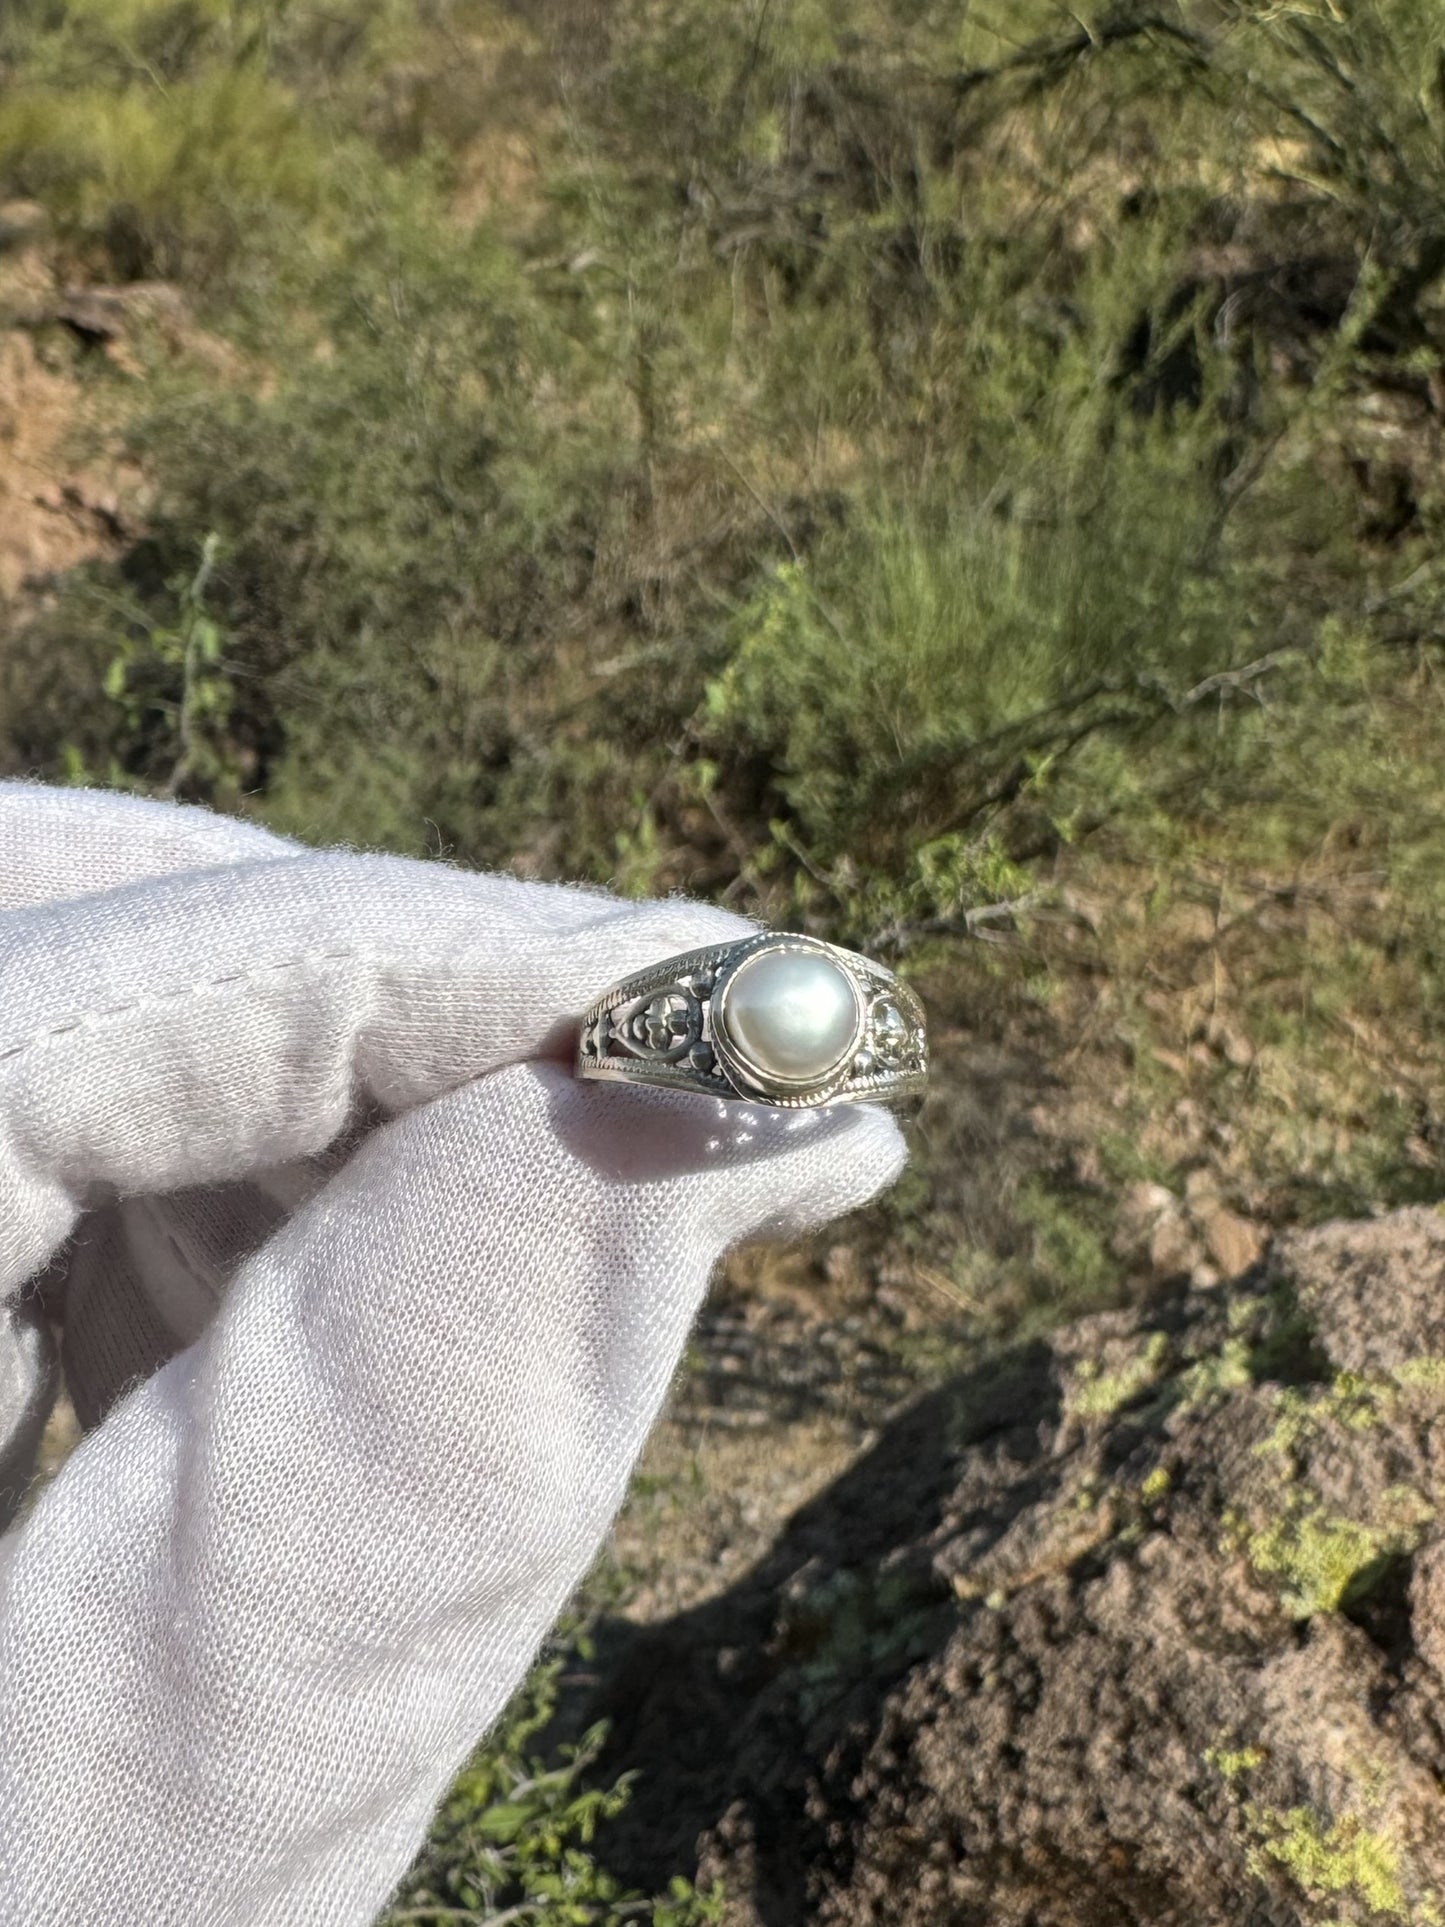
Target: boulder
[1142,1625]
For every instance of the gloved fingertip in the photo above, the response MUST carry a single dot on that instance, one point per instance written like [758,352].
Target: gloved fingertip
[828,1162]
[736,1169]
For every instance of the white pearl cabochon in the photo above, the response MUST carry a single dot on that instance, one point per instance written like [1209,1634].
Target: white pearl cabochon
[791,1013]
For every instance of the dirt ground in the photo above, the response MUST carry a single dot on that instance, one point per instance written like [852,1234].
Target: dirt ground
[799,1359]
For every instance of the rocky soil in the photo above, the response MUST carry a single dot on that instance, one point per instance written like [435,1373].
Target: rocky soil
[53,513]
[1144,1623]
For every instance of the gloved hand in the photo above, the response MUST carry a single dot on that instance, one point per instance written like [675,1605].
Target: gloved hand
[370,1306]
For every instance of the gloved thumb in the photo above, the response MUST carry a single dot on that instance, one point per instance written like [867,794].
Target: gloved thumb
[293,1577]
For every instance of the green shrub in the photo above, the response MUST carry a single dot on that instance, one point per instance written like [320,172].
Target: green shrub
[514,1836]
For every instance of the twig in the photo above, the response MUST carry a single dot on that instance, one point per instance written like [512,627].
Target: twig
[1048,57]
[778,523]
[1375,603]
[1243,677]
[790,842]
[766,507]
[900,936]
[937,1281]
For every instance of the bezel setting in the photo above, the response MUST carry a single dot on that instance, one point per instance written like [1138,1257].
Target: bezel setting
[666,1026]
[744,1070]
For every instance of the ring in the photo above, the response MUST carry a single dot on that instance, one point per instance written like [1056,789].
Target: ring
[776,1018]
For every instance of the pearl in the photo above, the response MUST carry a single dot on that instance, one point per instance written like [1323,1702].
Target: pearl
[791,1014]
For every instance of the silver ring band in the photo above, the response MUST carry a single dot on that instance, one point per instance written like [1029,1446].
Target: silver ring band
[776,1019]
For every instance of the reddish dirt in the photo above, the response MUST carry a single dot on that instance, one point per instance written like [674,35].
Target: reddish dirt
[55,511]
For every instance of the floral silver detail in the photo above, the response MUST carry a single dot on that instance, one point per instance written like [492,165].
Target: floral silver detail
[668,1026]
[892,1041]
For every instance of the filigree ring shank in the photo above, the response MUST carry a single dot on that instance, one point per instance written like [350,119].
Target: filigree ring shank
[777,1019]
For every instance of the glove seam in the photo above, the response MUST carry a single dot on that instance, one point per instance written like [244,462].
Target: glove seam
[157,999]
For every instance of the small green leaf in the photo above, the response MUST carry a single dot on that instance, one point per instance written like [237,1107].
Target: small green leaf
[502,1822]
[207,637]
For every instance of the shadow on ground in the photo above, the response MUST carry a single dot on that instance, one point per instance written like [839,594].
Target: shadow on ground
[843,1605]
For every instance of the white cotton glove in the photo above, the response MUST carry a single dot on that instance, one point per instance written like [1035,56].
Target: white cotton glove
[301,1124]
